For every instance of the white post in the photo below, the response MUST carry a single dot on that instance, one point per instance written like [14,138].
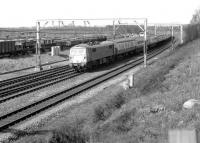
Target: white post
[181,33]
[131,80]
[145,43]
[38,46]
[155,32]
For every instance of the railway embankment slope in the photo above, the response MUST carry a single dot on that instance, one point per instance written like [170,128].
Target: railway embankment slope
[143,113]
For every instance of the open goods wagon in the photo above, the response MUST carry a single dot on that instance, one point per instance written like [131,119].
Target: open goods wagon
[23,46]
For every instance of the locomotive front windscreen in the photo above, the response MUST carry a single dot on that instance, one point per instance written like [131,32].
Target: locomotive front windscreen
[77,55]
[77,51]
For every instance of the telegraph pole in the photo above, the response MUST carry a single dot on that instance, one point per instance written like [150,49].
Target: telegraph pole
[38,46]
[155,30]
[145,43]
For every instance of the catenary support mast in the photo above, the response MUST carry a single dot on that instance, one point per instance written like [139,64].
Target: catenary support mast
[38,47]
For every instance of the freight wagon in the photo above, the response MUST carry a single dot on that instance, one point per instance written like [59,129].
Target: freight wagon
[22,46]
[7,47]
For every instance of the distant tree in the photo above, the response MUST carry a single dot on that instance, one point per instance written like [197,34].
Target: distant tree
[196,17]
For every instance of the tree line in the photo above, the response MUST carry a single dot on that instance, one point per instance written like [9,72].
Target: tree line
[192,30]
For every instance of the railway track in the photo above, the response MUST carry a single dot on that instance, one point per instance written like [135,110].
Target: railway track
[22,85]
[14,117]
[30,76]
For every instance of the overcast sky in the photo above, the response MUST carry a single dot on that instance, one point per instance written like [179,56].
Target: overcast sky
[25,12]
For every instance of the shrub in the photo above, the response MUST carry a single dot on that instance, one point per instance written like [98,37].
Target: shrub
[125,121]
[192,32]
[101,113]
[118,100]
[65,134]
[104,110]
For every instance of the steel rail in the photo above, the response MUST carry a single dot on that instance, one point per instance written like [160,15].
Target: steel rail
[40,85]
[34,83]
[28,76]
[34,79]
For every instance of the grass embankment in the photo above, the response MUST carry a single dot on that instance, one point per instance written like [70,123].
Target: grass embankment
[144,113]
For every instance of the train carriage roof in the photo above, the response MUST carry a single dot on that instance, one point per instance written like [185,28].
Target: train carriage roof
[125,39]
[135,39]
[105,43]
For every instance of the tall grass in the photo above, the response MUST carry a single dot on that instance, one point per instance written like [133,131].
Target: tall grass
[65,134]
[103,111]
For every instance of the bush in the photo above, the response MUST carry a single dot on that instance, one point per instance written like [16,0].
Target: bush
[125,121]
[65,134]
[103,111]
[192,32]
[193,29]
[118,100]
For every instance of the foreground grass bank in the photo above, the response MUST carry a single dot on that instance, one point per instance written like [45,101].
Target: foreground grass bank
[144,113]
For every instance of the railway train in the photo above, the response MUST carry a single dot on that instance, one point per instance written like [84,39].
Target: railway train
[23,46]
[84,56]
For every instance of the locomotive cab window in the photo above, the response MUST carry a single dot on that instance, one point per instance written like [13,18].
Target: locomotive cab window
[94,50]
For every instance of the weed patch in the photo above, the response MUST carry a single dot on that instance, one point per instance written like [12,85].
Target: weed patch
[103,111]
